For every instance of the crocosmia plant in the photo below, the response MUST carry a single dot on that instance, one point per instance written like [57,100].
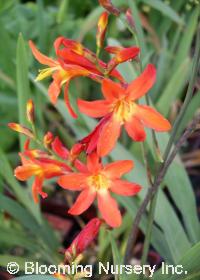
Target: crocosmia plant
[104,186]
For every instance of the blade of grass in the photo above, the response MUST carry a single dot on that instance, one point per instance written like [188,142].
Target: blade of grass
[174,88]
[186,40]
[117,258]
[189,262]
[165,10]
[23,89]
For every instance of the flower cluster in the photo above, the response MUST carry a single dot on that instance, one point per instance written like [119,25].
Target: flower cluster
[118,108]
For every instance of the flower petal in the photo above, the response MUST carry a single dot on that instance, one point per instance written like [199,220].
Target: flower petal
[93,162]
[109,209]
[95,109]
[151,118]
[67,101]
[111,90]
[59,148]
[122,54]
[126,188]
[141,85]
[54,91]
[108,137]
[25,172]
[73,181]
[83,202]
[43,59]
[118,168]
[37,188]
[135,129]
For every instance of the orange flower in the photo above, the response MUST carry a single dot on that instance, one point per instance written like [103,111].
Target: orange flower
[75,53]
[101,29]
[61,74]
[85,237]
[40,165]
[73,60]
[99,180]
[120,104]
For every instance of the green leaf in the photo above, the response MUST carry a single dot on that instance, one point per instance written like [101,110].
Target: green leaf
[165,10]
[18,212]
[5,259]
[186,40]
[63,9]
[42,232]
[15,237]
[117,258]
[174,88]
[190,263]
[180,188]
[23,89]
[191,110]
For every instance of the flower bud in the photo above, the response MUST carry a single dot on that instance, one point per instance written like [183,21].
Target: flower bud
[30,111]
[101,29]
[21,129]
[129,18]
[48,139]
[120,55]
[107,4]
[75,151]
[84,238]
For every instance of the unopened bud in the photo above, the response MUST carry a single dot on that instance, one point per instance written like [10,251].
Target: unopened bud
[129,18]
[107,4]
[84,238]
[121,55]
[21,129]
[75,151]
[30,111]
[101,29]
[48,139]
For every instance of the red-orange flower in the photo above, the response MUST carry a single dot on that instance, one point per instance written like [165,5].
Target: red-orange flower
[99,180]
[74,53]
[120,104]
[61,74]
[40,165]
[85,237]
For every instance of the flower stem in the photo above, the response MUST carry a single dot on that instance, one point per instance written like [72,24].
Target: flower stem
[149,230]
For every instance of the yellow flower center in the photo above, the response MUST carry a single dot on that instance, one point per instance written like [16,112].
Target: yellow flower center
[46,72]
[99,181]
[124,110]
